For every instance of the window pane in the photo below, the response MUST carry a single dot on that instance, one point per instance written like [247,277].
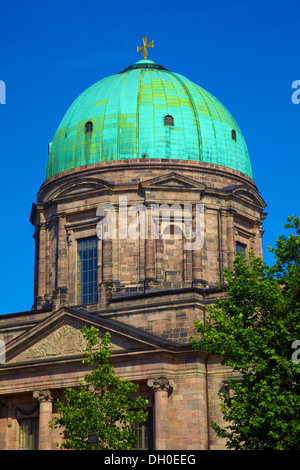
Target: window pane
[144,433]
[168,120]
[29,434]
[89,127]
[240,248]
[87,270]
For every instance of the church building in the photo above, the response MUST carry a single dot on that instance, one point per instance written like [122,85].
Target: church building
[148,196]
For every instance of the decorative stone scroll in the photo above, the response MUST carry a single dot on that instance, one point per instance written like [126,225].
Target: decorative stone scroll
[43,395]
[160,383]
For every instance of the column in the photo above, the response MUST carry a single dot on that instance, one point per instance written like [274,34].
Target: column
[187,254]
[41,263]
[45,415]
[159,251]
[62,252]
[150,255]
[198,254]
[161,386]
[230,238]
[107,260]
[62,262]
[72,267]
[257,244]
[224,243]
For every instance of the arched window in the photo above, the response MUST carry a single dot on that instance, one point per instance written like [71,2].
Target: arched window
[168,120]
[88,127]
[233,135]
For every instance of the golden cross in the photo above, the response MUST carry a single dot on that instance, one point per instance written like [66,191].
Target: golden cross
[144,47]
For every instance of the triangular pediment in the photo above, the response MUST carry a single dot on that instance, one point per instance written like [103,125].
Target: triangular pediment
[172,181]
[59,336]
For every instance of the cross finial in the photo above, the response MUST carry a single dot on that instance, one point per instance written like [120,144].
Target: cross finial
[144,47]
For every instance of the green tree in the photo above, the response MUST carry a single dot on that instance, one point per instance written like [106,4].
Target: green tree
[101,405]
[253,328]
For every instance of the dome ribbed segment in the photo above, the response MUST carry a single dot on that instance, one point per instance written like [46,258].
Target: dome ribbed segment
[127,111]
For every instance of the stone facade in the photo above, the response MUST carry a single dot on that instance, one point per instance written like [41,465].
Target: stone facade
[150,292]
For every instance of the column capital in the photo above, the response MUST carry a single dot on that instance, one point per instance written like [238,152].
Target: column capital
[43,395]
[160,383]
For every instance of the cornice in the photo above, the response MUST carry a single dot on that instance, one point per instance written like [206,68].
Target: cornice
[95,169]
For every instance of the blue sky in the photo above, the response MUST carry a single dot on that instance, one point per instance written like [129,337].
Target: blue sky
[244,53]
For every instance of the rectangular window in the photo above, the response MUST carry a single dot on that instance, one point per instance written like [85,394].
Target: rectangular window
[29,434]
[144,433]
[240,248]
[87,271]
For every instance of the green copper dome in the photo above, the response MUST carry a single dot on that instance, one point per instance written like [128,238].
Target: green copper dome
[128,111]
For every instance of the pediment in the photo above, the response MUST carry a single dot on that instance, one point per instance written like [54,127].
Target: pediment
[172,181]
[82,187]
[59,336]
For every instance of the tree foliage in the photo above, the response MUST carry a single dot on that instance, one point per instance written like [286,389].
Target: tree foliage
[253,328]
[101,405]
